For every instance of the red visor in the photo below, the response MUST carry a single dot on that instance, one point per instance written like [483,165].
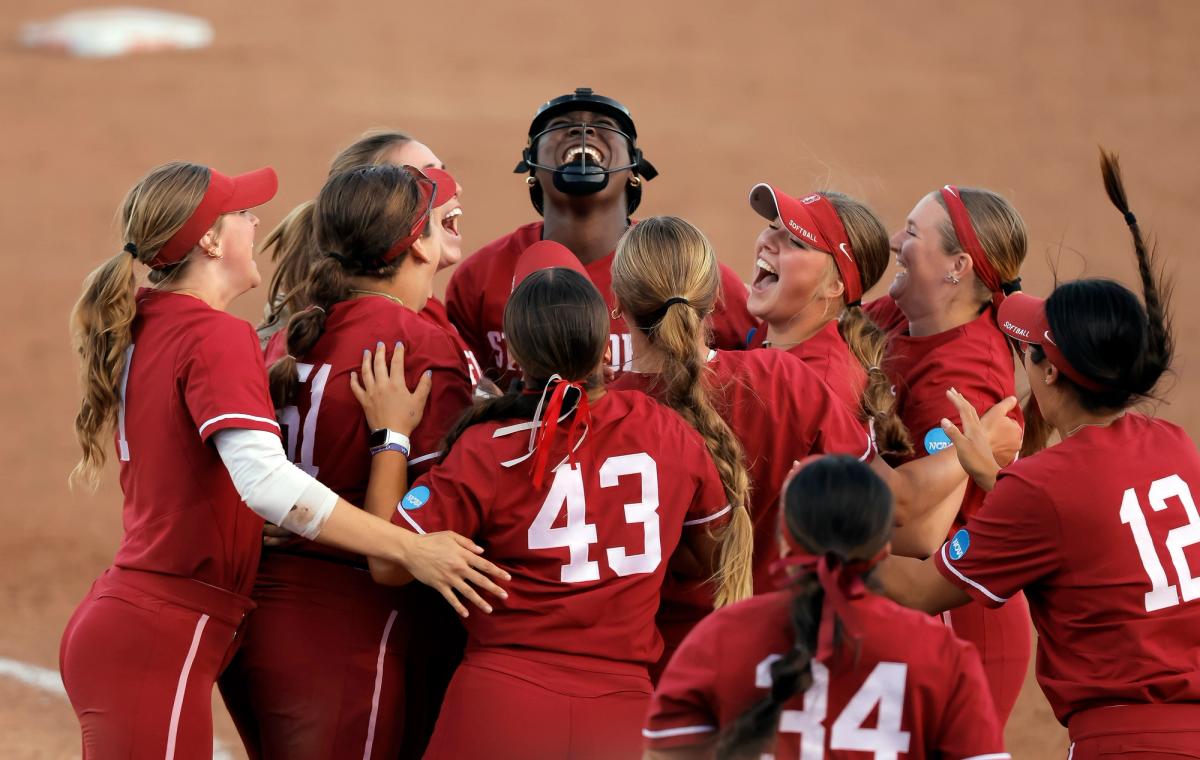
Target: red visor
[224,195]
[1022,317]
[437,187]
[545,254]
[812,220]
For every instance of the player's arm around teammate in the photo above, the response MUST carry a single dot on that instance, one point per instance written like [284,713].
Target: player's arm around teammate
[170,372]
[797,673]
[1088,522]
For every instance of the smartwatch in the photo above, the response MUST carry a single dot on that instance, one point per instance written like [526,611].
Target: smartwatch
[389,440]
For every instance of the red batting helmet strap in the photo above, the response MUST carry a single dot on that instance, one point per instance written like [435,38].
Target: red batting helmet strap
[965,231]
[841,581]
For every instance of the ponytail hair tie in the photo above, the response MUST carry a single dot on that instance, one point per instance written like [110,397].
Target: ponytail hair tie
[131,249]
[1130,219]
[339,258]
[854,304]
[674,300]
[1010,287]
[651,321]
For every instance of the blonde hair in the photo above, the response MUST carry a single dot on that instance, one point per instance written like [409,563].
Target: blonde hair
[1005,241]
[868,343]
[102,320]
[292,243]
[659,259]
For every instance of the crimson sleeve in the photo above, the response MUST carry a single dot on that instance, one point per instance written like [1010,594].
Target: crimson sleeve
[452,496]
[710,505]
[1009,544]
[436,352]
[463,304]
[969,727]
[683,709]
[223,380]
[819,417]
[731,320]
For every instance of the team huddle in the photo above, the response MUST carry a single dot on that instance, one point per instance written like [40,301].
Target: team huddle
[650,510]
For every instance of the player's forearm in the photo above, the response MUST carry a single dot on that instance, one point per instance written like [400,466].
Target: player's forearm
[352,529]
[387,485]
[921,536]
[918,585]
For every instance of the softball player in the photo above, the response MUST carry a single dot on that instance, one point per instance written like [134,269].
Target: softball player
[777,409]
[181,383]
[379,227]
[586,504]
[814,260]
[799,672]
[1101,528]
[293,248]
[959,253]
[585,175]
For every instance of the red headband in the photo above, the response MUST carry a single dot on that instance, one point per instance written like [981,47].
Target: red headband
[842,582]
[813,220]
[965,231]
[224,195]
[436,187]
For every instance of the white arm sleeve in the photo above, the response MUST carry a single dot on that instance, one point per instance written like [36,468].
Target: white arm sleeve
[272,486]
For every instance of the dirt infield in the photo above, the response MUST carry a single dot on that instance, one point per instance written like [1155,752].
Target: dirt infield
[883,101]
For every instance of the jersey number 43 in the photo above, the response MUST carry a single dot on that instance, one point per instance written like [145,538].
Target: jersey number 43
[578,534]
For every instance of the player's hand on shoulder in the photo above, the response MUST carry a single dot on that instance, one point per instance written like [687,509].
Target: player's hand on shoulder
[983,443]
[384,394]
[452,565]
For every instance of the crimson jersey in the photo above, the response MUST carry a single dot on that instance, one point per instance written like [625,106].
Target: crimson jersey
[586,582]
[828,355]
[911,690]
[435,313]
[480,287]
[326,432]
[781,412]
[974,358]
[1103,531]
[190,371]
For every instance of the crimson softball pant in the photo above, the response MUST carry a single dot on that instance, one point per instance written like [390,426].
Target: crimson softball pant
[1136,732]
[1002,636]
[320,672]
[139,659]
[504,706]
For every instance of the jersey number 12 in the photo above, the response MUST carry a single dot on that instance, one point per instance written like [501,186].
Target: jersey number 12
[1163,593]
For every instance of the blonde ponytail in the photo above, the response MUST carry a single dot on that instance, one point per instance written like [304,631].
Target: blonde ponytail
[666,259]
[102,320]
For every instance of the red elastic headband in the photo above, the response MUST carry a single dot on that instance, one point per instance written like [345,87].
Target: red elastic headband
[965,231]
[841,581]
[224,195]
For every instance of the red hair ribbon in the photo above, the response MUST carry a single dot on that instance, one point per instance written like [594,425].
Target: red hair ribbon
[830,228]
[841,581]
[965,231]
[549,421]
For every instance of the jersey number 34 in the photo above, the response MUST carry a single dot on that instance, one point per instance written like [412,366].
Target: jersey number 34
[578,534]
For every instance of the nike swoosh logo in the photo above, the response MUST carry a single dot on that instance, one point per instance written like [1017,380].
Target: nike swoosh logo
[845,252]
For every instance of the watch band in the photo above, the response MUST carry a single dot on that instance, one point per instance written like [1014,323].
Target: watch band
[389,440]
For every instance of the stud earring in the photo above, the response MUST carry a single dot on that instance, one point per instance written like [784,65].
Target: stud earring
[952,278]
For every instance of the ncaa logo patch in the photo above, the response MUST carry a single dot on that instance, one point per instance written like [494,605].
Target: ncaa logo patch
[959,544]
[936,440]
[415,499]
